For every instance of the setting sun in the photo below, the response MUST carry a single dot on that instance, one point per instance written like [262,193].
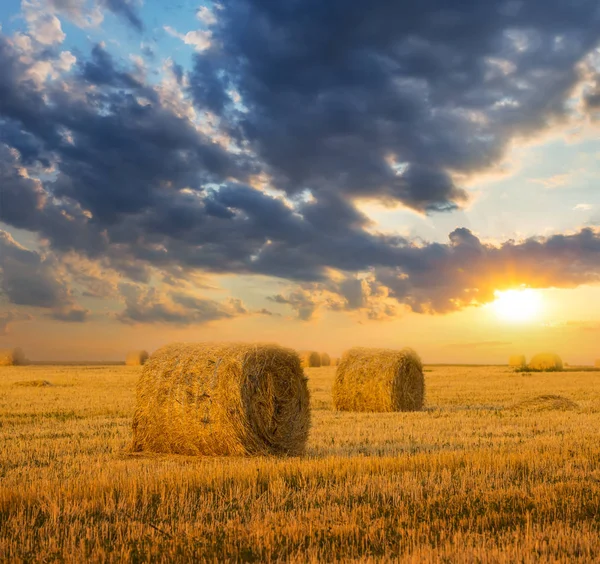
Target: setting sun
[517,305]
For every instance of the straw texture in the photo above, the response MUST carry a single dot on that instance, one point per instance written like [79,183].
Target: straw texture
[379,380]
[222,399]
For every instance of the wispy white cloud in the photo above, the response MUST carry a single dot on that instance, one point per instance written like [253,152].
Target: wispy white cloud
[199,40]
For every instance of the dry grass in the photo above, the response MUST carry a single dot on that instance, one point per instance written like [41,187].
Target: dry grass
[469,479]
[546,362]
[379,380]
[222,399]
[136,358]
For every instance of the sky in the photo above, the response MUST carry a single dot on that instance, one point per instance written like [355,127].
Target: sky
[318,174]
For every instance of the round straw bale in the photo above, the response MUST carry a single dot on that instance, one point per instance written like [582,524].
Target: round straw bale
[546,362]
[12,357]
[136,358]
[310,359]
[325,359]
[517,361]
[379,380]
[222,399]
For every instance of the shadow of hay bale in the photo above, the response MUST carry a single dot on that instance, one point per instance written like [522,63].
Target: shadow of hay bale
[547,402]
[34,383]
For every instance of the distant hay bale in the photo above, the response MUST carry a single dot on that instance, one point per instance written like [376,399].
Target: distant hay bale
[310,359]
[136,358]
[517,361]
[325,359]
[33,383]
[12,357]
[222,399]
[546,362]
[379,380]
[548,402]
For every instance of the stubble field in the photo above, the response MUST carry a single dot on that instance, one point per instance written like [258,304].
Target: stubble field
[482,474]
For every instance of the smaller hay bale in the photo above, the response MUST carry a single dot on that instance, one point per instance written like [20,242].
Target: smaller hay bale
[136,358]
[310,359]
[379,380]
[547,402]
[517,361]
[546,362]
[33,383]
[12,357]
[325,359]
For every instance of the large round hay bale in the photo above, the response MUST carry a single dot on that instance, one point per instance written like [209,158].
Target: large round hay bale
[546,362]
[379,380]
[12,357]
[222,399]
[310,359]
[136,358]
[325,359]
[517,361]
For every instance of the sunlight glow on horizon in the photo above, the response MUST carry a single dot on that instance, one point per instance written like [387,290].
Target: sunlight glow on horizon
[518,306]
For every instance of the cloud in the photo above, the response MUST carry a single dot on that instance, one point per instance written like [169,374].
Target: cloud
[149,305]
[110,171]
[124,9]
[583,207]
[206,16]
[199,39]
[29,279]
[7,318]
[389,101]
[43,25]
[86,13]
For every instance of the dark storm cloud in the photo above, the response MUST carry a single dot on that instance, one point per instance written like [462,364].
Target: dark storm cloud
[29,279]
[441,278]
[384,101]
[336,91]
[115,147]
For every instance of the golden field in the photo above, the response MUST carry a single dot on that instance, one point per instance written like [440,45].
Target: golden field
[475,477]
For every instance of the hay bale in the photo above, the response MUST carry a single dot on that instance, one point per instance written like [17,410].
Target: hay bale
[310,359]
[325,359]
[517,361]
[12,357]
[547,402]
[136,358]
[222,399]
[379,380]
[546,362]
